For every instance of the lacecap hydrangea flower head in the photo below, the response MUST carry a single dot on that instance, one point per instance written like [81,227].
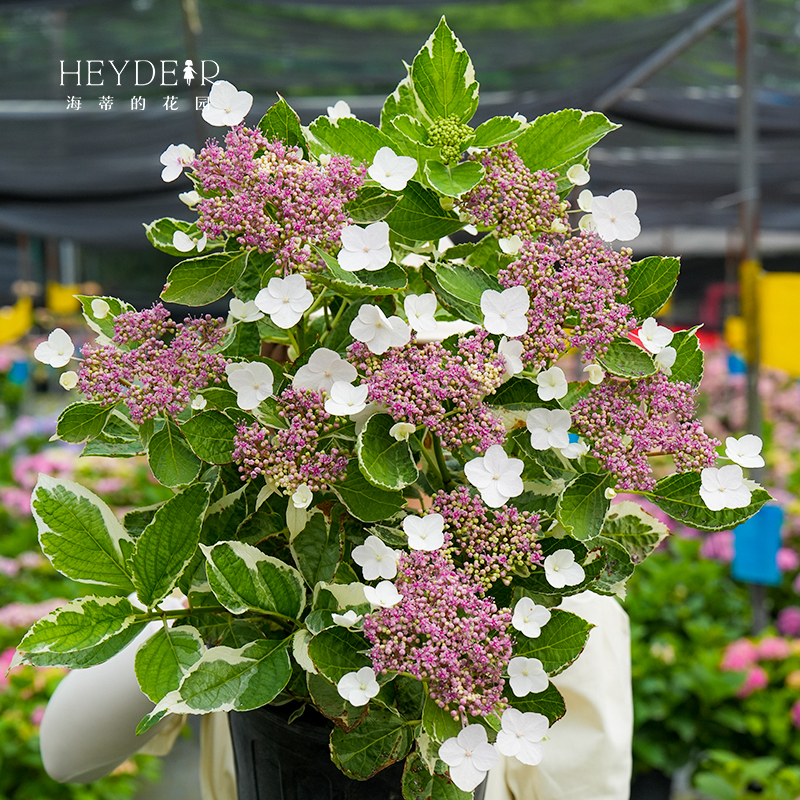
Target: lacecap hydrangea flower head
[387,519]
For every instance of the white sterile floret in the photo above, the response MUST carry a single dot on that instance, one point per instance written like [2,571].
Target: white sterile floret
[68,380]
[339,110]
[190,198]
[520,118]
[252,381]
[199,402]
[346,399]
[585,201]
[365,248]
[665,359]
[520,735]
[325,158]
[420,310]
[302,496]
[377,332]
[184,243]
[376,559]
[615,216]
[529,618]
[469,756]
[578,175]
[561,570]
[323,369]
[552,384]
[654,337]
[595,373]
[174,159]
[510,246]
[358,688]
[402,430]
[57,350]
[391,171]
[348,619]
[586,223]
[724,487]
[226,105]
[384,595]
[244,311]
[504,312]
[526,675]
[746,451]
[100,308]
[511,351]
[574,449]
[610,493]
[495,476]
[548,427]
[424,533]
[285,300]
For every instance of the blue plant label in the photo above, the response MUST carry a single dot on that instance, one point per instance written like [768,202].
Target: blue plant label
[756,544]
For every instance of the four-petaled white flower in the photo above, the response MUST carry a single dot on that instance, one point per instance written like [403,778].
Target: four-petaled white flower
[577,175]
[424,533]
[552,384]
[724,487]
[365,248]
[511,351]
[358,688]
[548,427]
[595,373]
[574,449]
[615,216]
[339,110]
[402,430]
[420,310]
[376,559]
[529,618]
[226,105]
[57,350]
[377,332]
[585,200]
[68,380]
[252,381]
[199,402]
[323,369]
[665,359]
[654,337]
[561,570]
[495,476]
[302,496]
[190,198]
[174,159]
[384,595]
[510,246]
[469,756]
[100,308]
[391,171]
[745,451]
[184,243]
[346,399]
[520,735]
[348,619]
[285,300]
[526,675]
[244,311]
[504,312]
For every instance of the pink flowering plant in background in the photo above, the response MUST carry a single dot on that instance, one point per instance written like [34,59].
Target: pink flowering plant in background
[383,524]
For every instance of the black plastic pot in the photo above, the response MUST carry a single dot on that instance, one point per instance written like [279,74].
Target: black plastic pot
[279,761]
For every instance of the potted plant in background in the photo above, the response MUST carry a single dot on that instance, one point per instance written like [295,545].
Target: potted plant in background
[380,529]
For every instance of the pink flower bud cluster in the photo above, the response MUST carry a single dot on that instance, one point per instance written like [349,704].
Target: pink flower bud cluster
[487,544]
[574,286]
[439,388]
[155,365]
[443,631]
[512,198]
[626,421]
[294,455]
[269,198]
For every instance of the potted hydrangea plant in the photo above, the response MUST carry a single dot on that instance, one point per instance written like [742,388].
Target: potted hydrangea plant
[381,524]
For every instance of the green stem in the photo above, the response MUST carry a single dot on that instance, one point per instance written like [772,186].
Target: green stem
[437,449]
[316,304]
[188,612]
[338,316]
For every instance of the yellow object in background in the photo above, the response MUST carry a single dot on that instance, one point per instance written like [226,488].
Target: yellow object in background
[60,298]
[16,320]
[735,333]
[778,309]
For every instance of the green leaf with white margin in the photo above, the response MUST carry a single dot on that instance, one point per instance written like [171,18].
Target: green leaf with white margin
[460,287]
[381,739]
[170,457]
[332,705]
[634,529]
[419,215]
[454,180]
[549,702]
[202,280]
[81,421]
[79,533]
[561,641]
[163,660]
[498,130]
[210,436]
[167,544]
[401,101]
[365,501]
[583,505]
[688,366]
[438,722]
[384,461]
[420,784]
[348,136]
[244,579]
[650,283]
[103,326]
[160,233]
[82,633]
[388,280]
[281,122]
[561,138]
[443,78]
[371,205]
[679,496]
[337,651]
[627,360]
[619,567]
[317,548]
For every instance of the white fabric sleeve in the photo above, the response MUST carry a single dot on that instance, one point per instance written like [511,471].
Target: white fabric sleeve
[587,753]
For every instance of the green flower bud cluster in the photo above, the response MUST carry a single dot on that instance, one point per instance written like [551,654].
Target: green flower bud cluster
[449,134]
